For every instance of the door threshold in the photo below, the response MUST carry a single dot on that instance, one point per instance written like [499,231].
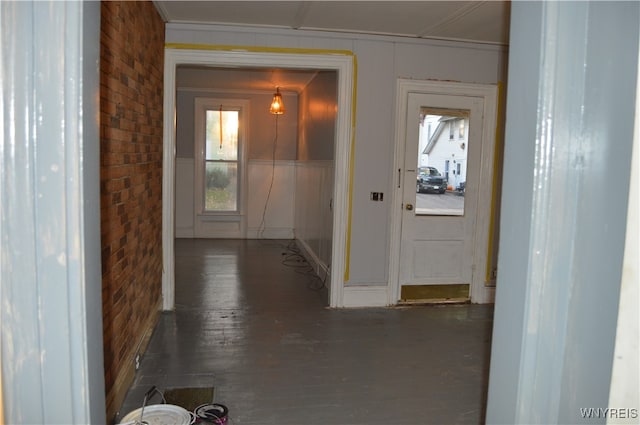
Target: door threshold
[434,301]
[435,294]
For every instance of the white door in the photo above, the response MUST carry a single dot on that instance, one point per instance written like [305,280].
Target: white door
[437,229]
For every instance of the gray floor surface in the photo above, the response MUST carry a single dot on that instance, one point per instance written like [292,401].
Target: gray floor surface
[250,322]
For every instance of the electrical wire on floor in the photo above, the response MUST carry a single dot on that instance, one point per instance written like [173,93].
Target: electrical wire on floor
[262,226]
[294,258]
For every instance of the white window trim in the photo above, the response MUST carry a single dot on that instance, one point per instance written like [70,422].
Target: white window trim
[203,104]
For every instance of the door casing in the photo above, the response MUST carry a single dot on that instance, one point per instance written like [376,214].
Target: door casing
[480,292]
[437,249]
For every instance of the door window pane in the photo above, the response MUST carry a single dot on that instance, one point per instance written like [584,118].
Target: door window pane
[441,162]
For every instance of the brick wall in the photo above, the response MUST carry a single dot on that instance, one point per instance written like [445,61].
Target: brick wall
[131,94]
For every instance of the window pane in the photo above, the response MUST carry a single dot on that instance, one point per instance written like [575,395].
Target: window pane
[228,129]
[221,183]
[442,163]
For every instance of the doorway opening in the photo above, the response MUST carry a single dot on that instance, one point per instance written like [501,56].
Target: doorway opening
[340,65]
[243,172]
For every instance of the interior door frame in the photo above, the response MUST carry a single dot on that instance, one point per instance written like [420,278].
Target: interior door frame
[479,292]
[222,56]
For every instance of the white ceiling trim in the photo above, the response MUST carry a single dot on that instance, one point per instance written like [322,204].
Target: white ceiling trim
[272,30]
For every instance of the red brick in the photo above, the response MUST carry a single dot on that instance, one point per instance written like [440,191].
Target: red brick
[131,87]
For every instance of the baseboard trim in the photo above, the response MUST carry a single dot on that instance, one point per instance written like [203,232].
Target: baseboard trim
[184,232]
[321,269]
[365,296]
[270,233]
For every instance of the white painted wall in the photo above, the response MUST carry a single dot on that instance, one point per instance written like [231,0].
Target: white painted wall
[625,374]
[381,60]
[315,171]
[270,212]
[317,118]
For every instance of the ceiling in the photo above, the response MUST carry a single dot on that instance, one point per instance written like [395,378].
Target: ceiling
[244,79]
[484,22]
[475,21]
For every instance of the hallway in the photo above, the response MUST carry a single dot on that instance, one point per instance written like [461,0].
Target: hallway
[259,332]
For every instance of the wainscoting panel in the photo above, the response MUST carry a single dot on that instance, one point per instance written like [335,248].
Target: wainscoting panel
[313,210]
[270,212]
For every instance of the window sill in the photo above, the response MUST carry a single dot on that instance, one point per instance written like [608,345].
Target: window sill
[220,217]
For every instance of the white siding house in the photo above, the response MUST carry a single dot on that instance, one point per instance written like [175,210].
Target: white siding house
[447,147]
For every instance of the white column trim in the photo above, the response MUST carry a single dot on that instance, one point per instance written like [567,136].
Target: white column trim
[50,274]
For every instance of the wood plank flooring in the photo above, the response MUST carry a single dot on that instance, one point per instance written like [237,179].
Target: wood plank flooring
[260,332]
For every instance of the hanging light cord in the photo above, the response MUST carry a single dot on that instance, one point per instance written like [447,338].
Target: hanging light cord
[262,226]
[221,127]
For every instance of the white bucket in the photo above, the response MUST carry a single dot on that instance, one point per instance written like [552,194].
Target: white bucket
[159,414]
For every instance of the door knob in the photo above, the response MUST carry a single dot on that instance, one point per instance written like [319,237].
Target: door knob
[408,207]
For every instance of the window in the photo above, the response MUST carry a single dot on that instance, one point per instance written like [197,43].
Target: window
[218,159]
[446,167]
[461,129]
[221,160]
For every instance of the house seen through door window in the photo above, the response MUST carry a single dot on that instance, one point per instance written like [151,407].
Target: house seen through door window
[442,161]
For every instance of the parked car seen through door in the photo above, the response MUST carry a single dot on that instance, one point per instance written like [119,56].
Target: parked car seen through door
[429,180]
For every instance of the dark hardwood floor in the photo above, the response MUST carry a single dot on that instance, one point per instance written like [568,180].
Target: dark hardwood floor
[259,331]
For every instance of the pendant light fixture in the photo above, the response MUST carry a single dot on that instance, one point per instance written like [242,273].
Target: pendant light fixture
[277,106]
